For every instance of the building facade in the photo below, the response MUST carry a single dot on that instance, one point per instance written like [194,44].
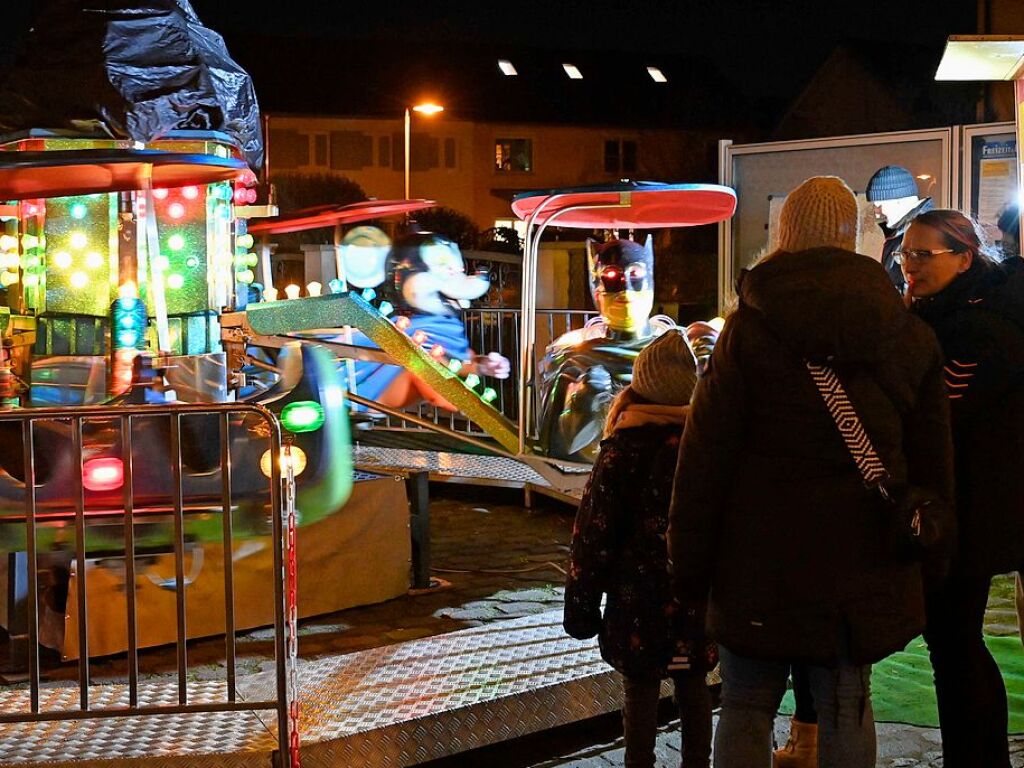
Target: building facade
[477,167]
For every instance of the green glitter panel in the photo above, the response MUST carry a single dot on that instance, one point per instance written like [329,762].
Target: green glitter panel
[183,244]
[78,255]
[197,334]
[70,335]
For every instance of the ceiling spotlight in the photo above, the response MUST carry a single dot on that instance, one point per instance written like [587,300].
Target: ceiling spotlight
[657,75]
[506,68]
[572,71]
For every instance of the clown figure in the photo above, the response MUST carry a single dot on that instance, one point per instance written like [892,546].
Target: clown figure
[583,370]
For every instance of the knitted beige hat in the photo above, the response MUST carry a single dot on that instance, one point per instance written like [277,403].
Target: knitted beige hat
[820,212]
[665,371]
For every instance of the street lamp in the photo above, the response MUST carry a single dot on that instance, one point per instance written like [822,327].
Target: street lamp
[428,109]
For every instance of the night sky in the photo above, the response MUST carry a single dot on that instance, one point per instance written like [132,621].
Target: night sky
[770,47]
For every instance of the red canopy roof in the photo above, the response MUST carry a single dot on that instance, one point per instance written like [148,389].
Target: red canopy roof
[63,173]
[646,205]
[328,216]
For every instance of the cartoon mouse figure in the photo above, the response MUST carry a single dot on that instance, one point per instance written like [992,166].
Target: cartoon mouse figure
[424,278]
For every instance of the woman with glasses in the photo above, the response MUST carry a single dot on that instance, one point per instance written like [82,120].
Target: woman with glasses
[976,308]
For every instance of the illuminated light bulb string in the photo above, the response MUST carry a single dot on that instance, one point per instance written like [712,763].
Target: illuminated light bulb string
[440,355]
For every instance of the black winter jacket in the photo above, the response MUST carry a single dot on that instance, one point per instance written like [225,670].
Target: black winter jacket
[979,320]
[619,549]
[769,511]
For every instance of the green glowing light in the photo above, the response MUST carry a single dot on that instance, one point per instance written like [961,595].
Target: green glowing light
[472,380]
[488,395]
[454,365]
[79,211]
[175,242]
[303,416]
[244,241]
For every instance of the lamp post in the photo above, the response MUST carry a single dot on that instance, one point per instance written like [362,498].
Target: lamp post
[428,109]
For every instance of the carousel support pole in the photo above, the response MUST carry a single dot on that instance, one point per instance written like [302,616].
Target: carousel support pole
[418,490]
[156,272]
[346,331]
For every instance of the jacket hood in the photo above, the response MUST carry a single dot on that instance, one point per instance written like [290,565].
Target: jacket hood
[826,304]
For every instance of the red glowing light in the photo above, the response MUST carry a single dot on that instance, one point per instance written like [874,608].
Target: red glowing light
[250,196]
[105,474]
[190,193]
[159,194]
[32,210]
[176,210]
[241,196]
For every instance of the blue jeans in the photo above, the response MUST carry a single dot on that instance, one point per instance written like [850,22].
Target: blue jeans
[752,690]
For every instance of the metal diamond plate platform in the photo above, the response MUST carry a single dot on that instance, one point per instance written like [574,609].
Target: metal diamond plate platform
[235,739]
[387,707]
[402,704]
[476,469]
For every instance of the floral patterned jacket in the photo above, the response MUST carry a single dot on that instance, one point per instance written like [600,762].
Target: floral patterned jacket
[619,549]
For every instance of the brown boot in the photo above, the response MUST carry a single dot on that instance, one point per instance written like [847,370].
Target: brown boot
[801,751]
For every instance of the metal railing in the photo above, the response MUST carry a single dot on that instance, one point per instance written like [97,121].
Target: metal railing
[279,497]
[497,330]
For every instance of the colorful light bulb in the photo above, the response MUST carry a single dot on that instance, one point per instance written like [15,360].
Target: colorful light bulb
[191,261]
[454,365]
[31,241]
[386,308]
[369,294]
[302,416]
[8,243]
[31,280]
[175,242]
[402,322]
[62,260]
[161,263]
[313,289]
[437,351]
[246,276]
[270,294]
[175,281]
[336,286]
[176,210]
[8,279]
[160,194]
[292,291]
[78,240]
[79,279]
[79,211]
[244,241]
[420,336]
[489,395]
[190,193]
[93,260]
[472,380]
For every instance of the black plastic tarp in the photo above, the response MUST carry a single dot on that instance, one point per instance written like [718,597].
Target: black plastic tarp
[131,69]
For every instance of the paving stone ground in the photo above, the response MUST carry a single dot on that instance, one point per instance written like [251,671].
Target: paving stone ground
[500,561]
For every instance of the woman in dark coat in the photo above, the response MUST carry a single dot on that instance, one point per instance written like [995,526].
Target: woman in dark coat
[619,550]
[976,307]
[771,524]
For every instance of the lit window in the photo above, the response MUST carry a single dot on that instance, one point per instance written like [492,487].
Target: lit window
[657,75]
[506,68]
[511,155]
[572,71]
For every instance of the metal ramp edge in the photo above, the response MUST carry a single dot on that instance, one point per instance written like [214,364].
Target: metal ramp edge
[403,704]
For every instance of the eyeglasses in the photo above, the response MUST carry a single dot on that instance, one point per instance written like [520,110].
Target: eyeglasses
[919,255]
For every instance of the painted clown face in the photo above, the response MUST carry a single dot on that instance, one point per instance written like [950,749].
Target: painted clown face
[430,274]
[622,283]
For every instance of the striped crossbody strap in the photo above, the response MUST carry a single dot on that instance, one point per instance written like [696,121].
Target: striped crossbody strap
[843,414]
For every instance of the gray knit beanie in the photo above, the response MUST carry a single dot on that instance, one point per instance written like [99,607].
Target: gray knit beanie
[665,371]
[820,212]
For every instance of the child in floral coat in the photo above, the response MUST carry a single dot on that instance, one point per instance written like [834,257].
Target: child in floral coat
[619,549]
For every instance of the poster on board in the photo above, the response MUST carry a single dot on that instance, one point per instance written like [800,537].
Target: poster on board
[997,183]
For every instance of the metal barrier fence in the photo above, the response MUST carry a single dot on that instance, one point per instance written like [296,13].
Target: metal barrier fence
[497,330]
[40,516]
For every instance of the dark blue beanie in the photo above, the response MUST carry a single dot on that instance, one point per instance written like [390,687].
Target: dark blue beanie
[890,183]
